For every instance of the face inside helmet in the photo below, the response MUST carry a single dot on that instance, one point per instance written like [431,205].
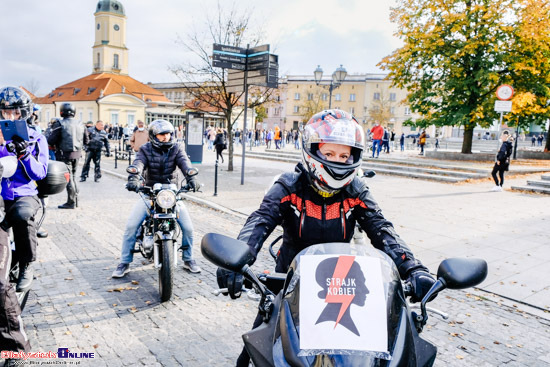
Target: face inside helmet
[161,134]
[333,144]
[15,104]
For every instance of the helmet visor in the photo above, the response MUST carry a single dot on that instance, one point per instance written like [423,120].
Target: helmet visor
[341,130]
[14,114]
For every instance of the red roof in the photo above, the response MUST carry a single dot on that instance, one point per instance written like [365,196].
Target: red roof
[89,87]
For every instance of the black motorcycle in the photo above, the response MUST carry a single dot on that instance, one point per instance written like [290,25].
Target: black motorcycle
[54,183]
[289,334]
[157,236]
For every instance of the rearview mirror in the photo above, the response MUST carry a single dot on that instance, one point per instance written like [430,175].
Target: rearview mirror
[226,252]
[192,172]
[369,174]
[459,273]
[132,170]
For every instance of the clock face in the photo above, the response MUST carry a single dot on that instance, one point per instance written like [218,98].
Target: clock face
[116,27]
[505,92]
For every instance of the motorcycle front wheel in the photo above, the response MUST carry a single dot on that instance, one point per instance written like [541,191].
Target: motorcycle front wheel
[166,271]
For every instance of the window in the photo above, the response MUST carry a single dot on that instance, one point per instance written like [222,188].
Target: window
[90,116]
[131,119]
[310,96]
[393,97]
[81,116]
[114,118]
[178,95]
[324,97]
[297,96]
[115,61]
[337,97]
[407,111]
[352,110]
[296,109]
[352,97]
[392,111]
[376,96]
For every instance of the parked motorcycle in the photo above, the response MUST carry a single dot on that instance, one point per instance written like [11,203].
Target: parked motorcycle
[55,182]
[339,304]
[157,236]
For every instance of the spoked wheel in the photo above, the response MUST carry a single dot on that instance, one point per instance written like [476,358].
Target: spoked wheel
[166,271]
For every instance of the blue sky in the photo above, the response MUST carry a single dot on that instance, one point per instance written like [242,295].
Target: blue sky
[50,42]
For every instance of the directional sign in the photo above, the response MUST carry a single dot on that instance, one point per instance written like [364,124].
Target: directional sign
[229,49]
[234,82]
[230,58]
[227,65]
[503,106]
[262,65]
[257,49]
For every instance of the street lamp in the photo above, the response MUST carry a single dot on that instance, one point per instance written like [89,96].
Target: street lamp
[338,77]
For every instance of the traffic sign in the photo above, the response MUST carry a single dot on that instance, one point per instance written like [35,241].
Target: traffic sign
[235,89]
[503,106]
[234,82]
[262,65]
[258,49]
[505,92]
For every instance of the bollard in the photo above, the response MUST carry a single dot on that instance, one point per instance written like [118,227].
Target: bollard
[119,144]
[116,157]
[216,179]
[130,157]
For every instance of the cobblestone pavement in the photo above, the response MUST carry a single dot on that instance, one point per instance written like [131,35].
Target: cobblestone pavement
[76,304]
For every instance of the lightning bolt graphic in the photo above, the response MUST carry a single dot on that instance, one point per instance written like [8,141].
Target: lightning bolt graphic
[340,272]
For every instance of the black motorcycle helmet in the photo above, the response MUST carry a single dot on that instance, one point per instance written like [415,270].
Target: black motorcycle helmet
[15,99]
[161,127]
[67,110]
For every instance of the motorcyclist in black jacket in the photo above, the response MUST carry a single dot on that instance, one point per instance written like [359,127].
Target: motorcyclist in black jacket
[321,201]
[159,157]
[97,139]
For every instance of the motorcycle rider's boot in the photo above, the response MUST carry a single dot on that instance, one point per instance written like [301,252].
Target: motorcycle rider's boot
[192,266]
[41,233]
[26,275]
[67,206]
[82,179]
[121,270]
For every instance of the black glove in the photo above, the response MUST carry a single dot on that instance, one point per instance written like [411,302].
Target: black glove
[230,280]
[19,147]
[107,154]
[193,184]
[421,282]
[133,185]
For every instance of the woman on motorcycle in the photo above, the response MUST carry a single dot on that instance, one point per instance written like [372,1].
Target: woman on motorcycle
[322,200]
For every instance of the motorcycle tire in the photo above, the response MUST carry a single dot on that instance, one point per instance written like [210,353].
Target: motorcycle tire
[166,271]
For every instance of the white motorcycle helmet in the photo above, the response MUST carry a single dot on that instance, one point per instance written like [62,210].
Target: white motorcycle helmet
[337,127]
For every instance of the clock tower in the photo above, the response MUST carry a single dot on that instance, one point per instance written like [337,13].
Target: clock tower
[110,54]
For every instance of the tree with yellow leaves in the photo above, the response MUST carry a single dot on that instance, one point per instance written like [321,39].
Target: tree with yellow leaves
[457,52]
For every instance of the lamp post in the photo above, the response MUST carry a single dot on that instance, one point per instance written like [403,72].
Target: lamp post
[338,77]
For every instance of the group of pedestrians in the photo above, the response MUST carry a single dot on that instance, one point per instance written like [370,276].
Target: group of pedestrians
[537,140]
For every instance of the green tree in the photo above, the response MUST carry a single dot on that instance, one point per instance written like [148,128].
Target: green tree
[455,54]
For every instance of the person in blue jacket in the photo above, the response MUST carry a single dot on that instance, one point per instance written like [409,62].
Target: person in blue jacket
[20,191]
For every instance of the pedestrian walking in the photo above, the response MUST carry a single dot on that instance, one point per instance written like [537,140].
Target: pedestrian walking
[97,139]
[219,144]
[540,139]
[392,140]
[533,140]
[437,143]
[502,162]
[402,142]
[386,141]
[269,138]
[422,141]
[139,137]
[69,137]
[377,132]
[277,137]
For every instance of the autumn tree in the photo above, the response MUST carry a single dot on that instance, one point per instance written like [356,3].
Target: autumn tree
[207,85]
[456,53]
[380,108]
[315,101]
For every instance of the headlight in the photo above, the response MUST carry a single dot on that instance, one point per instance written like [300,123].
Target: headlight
[166,199]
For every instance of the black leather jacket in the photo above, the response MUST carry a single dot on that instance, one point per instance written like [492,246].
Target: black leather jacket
[308,218]
[159,164]
[504,152]
[68,136]
[97,139]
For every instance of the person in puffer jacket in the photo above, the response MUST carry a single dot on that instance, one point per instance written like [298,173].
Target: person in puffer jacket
[159,159]
[502,161]
[321,201]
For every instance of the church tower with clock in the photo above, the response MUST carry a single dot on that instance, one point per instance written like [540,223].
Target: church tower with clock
[110,54]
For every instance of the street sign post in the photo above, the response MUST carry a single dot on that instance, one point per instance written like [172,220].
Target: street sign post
[247,66]
[503,106]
